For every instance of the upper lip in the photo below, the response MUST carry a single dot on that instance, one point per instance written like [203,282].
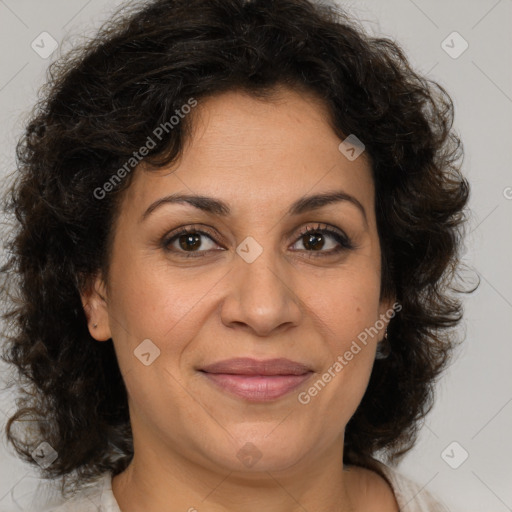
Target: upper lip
[249,366]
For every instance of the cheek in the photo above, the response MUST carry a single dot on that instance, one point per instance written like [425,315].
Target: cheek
[151,303]
[347,303]
[149,306]
[349,339]
[345,314]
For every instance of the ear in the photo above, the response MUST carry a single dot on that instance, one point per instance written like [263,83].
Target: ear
[95,304]
[388,308]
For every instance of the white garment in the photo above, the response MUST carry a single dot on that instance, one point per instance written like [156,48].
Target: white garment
[98,496]
[410,496]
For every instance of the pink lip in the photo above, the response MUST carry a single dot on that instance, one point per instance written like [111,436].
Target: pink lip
[256,380]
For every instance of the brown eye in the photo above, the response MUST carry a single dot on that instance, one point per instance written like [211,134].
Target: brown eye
[324,240]
[190,241]
[313,241]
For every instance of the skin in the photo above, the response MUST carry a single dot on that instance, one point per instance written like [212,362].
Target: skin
[258,156]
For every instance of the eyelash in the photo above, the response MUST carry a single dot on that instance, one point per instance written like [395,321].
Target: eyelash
[344,241]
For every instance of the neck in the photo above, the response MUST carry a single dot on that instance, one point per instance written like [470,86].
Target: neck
[153,482]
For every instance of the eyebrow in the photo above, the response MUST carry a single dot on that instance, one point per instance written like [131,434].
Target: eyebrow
[221,209]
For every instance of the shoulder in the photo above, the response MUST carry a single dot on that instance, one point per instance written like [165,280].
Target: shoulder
[371,490]
[409,493]
[389,490]
[96,496]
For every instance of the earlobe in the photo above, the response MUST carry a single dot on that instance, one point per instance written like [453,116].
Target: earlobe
[95,305]
[387,310]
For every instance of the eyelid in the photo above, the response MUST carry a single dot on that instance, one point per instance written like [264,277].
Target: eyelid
[191,228]
[322,227]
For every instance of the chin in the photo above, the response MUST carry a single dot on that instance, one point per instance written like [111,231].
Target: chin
[260,452]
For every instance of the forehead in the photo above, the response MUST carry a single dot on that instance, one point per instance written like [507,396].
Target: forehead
[245,149]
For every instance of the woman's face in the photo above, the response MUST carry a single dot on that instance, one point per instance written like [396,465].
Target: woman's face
[246,282]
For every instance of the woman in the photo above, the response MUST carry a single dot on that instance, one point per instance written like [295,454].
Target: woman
[237,223]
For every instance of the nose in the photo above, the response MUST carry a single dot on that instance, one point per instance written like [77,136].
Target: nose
[260,296]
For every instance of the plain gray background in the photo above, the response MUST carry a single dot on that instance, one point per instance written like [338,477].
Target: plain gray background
[473,412]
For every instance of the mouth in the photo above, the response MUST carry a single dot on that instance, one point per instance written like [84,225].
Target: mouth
[257,381]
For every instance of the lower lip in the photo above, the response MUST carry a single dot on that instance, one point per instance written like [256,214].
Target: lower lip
[257,388]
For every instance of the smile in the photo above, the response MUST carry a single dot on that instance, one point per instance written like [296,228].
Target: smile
[257,381]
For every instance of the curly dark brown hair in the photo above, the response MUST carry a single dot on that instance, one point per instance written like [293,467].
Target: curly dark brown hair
[104,98]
